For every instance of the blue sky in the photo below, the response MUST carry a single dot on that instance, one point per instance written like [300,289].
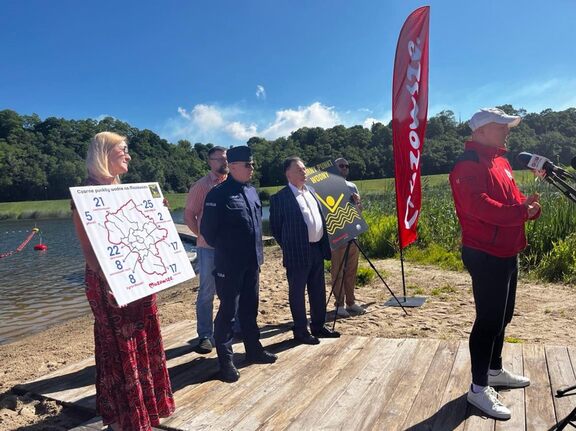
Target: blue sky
[222,71]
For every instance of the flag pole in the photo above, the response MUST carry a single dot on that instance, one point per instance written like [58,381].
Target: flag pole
[409,111]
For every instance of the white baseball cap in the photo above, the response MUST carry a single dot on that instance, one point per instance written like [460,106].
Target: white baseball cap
[492,115]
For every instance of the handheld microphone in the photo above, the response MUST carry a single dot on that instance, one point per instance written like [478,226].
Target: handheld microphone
[540,163]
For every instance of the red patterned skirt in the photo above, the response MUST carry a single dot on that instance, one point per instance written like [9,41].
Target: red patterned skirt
[132,383]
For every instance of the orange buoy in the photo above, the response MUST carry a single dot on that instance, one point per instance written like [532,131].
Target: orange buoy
[40,247]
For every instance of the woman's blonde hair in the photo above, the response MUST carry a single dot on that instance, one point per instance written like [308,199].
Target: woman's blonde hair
[99,150]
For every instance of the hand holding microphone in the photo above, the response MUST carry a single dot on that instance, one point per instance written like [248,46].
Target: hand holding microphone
[540,164]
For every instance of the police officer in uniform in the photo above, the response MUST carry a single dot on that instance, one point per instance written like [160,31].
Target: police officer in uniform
[232,224]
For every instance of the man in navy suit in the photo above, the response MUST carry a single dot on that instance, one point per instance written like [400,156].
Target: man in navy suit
[298,226]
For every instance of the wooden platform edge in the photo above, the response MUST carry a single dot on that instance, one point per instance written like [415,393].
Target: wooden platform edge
[188,236]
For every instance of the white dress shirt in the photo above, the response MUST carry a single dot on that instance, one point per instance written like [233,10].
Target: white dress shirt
[310,212]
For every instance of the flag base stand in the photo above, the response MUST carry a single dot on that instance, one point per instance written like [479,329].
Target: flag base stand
[406,301]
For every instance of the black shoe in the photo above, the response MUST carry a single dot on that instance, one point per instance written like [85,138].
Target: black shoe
[229,373]
[204,346]
[262,357]
[326,333]
[306,338]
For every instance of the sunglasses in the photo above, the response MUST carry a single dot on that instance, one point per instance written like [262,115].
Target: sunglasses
[343,166]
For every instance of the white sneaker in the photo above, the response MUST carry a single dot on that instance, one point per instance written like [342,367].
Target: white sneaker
[508,380]
[487,401]
[341,312]
[355,309]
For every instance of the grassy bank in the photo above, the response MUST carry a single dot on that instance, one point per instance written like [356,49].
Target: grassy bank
[35,210]
[60,208]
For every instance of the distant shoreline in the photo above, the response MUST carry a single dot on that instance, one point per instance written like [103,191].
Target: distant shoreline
[42,210]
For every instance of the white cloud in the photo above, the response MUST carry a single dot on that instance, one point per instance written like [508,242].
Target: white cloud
[260,92]
[240,131]
[229,125]
[369,121]
[207,117]
[289,120]
[208,123]
[384,119]
[183,113]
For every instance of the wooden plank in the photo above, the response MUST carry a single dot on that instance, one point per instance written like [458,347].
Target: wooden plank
[423,412]
[360,400]
[264,401]
[95,424]
[514,399]
[282,409]
[539,405]
[206,402]
[74,384]
[561,375]
[393,409]
[351,382]
[179,332]
[187,235]
[455,409]
[367,366]
[187,367]
[570,393]
[236,403]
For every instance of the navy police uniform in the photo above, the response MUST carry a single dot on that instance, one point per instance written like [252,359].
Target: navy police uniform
[232,224]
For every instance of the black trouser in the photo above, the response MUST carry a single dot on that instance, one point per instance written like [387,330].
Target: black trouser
[311,278]
[494,286]
[239,286]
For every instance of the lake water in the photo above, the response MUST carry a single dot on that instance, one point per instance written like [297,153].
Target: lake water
[43,288]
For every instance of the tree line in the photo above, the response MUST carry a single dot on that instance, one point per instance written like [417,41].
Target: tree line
[40,159]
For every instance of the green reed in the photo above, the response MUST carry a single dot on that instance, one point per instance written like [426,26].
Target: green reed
[439,231]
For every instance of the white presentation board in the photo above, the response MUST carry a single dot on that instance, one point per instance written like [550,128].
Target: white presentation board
[134,238]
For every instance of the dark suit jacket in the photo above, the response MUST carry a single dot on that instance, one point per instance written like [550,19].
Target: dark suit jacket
[290,230]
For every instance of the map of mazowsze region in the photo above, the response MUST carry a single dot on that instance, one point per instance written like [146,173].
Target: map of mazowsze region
[134,238]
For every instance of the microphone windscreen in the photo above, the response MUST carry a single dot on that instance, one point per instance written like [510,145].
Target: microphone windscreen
[573,162]
[524,158]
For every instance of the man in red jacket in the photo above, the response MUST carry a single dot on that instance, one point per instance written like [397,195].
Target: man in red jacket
[492,213]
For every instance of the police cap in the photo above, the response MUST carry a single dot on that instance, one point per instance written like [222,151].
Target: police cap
[239,154]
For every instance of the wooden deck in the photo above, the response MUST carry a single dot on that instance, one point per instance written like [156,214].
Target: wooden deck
[187,235]
[351,383]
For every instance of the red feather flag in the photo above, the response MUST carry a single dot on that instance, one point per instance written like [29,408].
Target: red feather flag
[409,115]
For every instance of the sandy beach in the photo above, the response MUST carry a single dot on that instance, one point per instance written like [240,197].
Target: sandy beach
[544,314]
